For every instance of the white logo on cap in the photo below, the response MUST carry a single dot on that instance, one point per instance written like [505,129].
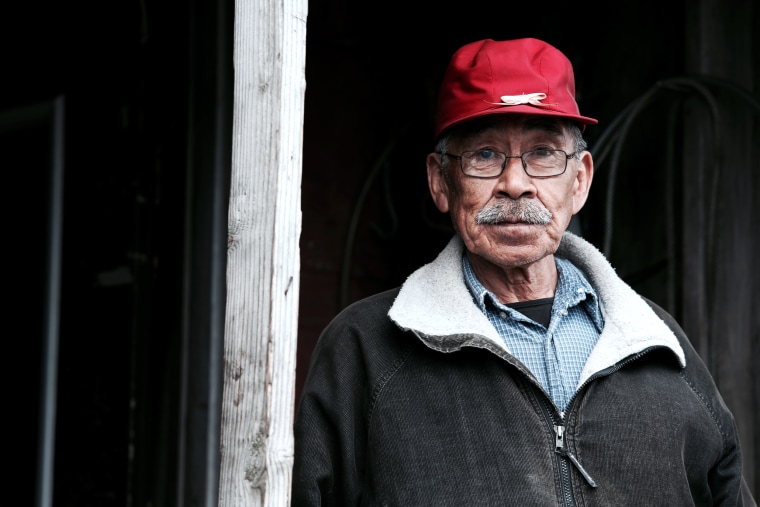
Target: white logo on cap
[534,99]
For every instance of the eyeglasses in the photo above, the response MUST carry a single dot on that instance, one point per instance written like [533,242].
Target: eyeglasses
[486,163]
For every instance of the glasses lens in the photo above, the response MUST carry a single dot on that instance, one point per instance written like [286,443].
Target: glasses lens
[545,162]
[482,163]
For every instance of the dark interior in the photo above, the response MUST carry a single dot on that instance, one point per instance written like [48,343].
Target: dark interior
[112,118]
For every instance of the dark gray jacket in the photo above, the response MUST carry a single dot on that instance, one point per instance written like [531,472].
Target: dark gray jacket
[412,399]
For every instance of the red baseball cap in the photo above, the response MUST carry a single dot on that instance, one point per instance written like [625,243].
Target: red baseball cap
[514,76]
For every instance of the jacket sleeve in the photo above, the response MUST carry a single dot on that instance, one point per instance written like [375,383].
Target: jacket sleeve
[747,499]
[332,418]
[352,356]
[328,430]
[726,481]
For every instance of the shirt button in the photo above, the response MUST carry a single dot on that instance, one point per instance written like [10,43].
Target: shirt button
[564,312]
[503,315]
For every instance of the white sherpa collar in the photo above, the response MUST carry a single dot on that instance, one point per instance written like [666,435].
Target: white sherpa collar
[436,305]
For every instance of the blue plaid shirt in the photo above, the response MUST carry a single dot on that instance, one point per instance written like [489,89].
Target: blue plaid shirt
[555,355]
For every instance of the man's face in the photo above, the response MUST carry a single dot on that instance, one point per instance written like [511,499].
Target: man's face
[515,240]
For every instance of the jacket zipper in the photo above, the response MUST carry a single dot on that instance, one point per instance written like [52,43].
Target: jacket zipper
[559,429]
[559,448]
[564,473]
[610,370]
[559,433]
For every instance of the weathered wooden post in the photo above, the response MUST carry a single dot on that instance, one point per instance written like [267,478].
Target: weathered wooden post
[263,253]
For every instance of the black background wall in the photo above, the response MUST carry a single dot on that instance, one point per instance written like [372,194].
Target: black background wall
[141,197]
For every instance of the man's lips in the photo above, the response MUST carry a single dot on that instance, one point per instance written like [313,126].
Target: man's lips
[511,221]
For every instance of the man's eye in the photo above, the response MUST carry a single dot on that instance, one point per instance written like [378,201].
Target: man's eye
[485,154]
[543,152]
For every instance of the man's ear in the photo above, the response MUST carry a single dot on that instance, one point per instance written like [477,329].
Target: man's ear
[439,188]
[583,178]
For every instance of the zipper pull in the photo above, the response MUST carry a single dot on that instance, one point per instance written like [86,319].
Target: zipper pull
[559,448]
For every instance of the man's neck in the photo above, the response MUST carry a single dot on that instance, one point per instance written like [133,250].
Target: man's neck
[537,280]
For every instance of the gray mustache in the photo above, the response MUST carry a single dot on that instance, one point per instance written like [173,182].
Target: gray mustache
[524,211]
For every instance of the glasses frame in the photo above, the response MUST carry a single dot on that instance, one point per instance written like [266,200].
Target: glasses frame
[459,157]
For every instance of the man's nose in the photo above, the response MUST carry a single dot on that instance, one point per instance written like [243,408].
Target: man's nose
[514,181]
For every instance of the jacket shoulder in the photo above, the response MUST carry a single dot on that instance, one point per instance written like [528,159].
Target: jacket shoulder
[699,378]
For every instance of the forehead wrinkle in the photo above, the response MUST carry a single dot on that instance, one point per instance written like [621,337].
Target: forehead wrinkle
[544,124]
[513,125]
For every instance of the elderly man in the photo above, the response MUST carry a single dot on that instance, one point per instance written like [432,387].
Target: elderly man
[516,368]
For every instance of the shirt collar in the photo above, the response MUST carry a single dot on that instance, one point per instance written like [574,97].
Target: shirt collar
[572,288]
